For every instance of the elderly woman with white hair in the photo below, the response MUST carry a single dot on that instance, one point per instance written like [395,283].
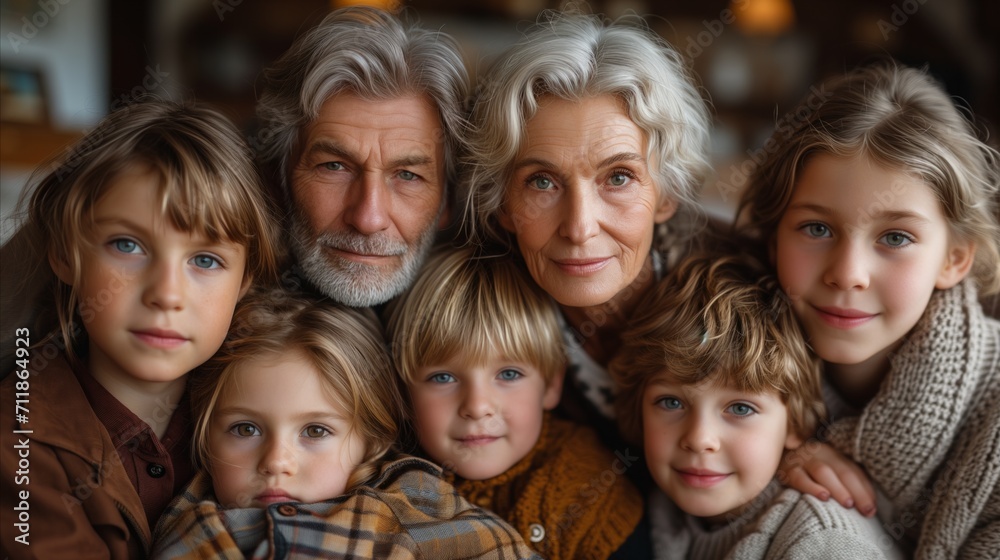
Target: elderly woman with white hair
[589,149]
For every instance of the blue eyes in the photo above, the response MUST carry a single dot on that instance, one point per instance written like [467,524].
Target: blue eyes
[541,183]
[131,247]
[669,403]
[741,409]
[896,239]
[205,261]
[125,245]
[893,239]
[817,230]
[504,375]
[509,375]
[618,179]
[736,409]
[338,166]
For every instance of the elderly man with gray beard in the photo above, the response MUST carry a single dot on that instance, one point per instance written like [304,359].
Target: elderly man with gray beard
[362,128]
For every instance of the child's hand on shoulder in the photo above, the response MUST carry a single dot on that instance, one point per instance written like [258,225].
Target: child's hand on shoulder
[821,471]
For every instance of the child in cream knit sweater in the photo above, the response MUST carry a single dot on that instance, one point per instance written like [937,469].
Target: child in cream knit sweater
[716,384]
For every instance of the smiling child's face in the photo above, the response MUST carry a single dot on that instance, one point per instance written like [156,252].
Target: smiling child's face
[480,419]
[710,447]
[859,251]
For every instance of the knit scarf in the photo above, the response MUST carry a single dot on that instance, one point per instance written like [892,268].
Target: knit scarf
[930,438]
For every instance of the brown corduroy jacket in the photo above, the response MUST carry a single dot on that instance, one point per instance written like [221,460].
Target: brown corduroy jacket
[80,503]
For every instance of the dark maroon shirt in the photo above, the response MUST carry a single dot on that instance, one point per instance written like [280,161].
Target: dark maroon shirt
[158,468]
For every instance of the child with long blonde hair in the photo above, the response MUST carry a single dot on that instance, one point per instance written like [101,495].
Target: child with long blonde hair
[880,215]
[145,237]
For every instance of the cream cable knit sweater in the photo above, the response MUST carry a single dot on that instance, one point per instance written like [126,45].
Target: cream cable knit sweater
[780,524]
[930,438]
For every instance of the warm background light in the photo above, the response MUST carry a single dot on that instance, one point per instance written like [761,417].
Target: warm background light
[384,4]
[763,17]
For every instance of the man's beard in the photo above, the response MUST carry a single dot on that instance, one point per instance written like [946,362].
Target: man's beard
[352,283]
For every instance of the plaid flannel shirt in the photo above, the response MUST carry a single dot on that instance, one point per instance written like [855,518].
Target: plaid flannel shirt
[408,511]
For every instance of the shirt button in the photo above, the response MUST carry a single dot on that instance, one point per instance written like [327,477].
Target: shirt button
[537,532]
[156,471]
[287,510]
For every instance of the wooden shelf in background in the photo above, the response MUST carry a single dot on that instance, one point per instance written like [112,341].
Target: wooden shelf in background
[24,145]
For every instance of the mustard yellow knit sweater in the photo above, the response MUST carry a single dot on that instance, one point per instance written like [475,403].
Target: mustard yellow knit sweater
[569,497]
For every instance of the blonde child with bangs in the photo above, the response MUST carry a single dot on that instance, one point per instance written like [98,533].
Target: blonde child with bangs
[880,213]
[144,238]
[296,418]
[479,348]
[716,383]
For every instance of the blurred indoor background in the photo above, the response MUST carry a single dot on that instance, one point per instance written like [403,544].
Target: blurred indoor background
[65,63]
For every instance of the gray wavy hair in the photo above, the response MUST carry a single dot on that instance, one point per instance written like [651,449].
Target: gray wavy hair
[574,56]
[372,54]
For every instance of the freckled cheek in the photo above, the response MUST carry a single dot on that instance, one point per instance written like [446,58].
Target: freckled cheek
[216,307]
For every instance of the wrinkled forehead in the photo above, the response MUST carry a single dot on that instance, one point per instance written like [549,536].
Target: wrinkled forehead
[411,119]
